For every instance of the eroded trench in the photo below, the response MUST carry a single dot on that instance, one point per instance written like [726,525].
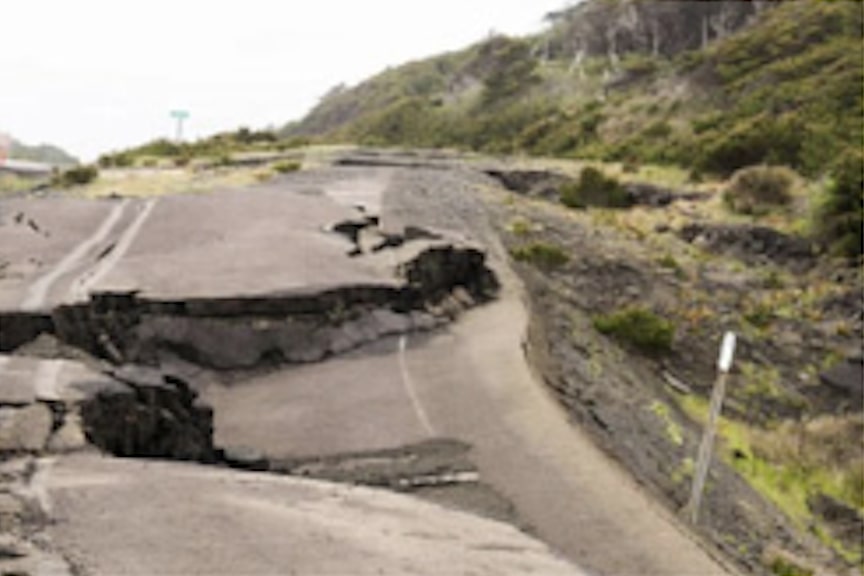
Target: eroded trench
[139,404]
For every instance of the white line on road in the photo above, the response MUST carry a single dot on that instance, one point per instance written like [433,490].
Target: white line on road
[85,282]
[38,292]
[410,389]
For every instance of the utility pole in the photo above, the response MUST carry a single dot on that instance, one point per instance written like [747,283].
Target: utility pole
[724,365]
[179,116]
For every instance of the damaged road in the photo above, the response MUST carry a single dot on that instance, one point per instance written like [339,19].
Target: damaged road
[355,323]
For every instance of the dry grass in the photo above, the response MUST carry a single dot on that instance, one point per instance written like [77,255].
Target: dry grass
[827,449]
[145,183]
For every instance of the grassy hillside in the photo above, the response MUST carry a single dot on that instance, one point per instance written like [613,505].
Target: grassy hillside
[786,88]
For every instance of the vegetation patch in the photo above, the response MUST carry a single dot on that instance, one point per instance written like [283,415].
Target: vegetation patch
[792,462]
[784,567]
[594,188]
[639,327]
[286,167]
[541,255]
[840,217]
[673,429]
[757,190]
[76,176]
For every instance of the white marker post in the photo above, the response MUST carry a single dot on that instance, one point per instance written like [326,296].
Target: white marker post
[724,365]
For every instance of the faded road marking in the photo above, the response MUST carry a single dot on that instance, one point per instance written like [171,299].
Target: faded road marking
[38,292]
[408,382]
[86,282]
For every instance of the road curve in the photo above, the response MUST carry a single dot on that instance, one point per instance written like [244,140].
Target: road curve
[471,382]
[564,487]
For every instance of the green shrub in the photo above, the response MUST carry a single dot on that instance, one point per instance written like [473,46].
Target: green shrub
[77,176]
[759,189]
[160,148]
[594,189]
[543,256]
[285,167]
[118,160]
[758,140]
[639,327]
[783,567]
[840,218]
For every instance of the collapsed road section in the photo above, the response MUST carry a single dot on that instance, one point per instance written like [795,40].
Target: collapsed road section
[93,371]
[212,327]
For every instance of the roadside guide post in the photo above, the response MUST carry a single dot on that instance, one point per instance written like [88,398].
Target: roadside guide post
[724,365]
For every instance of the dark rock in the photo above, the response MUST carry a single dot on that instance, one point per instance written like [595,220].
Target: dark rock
[22,327]
[846,381]
[753,244]
[439,270]
[645,194]
[537,183]
[150,417]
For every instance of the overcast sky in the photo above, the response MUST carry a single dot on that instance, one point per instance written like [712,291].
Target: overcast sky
[97,75]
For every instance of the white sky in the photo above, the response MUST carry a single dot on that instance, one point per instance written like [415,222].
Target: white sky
[97,75]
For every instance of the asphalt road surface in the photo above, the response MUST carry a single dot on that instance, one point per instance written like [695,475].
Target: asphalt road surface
[469,382]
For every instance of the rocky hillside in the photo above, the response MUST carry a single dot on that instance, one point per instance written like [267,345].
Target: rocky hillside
[712,86]
[613,29]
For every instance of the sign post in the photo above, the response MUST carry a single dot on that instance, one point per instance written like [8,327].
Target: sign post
[724,365]
[180,116]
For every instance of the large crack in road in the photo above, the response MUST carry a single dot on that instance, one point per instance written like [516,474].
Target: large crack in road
[325,326]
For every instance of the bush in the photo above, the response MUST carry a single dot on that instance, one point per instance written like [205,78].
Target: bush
[118,160]
[840,218]
[285,167]
[639,327]
[594,189]
[759,189]
[752,141]
[544,256]
[77,176]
